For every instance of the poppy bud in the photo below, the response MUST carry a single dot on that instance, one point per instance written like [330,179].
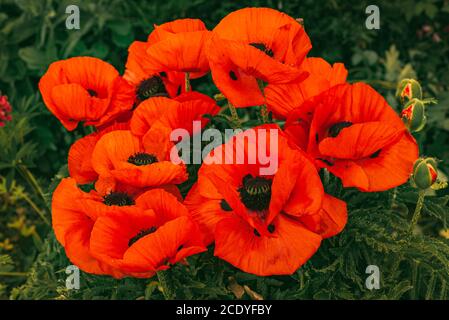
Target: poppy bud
[425,173]
[409,89]
[414,115]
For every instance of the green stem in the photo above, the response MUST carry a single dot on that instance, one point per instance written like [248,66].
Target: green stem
[166,291]
[187,82]
[236,123]
[36,208]
[263,108]
[13,274]
[393,197]
[33,183]
[264,113]
[417,213]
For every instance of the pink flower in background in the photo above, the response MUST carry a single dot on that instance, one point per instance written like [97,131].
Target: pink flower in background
[5,110]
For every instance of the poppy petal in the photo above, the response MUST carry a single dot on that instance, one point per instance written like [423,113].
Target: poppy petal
[290,247]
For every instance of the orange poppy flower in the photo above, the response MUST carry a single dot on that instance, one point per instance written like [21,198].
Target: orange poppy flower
[85,89]
[176,113]
[157,67]
[147,241]
[72,227]
[167,29]
[261,214]
[256,44]
[80,154]
[120,157]
[357,136]
[282,99]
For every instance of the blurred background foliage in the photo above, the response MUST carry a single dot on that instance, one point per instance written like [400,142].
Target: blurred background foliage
[413,41]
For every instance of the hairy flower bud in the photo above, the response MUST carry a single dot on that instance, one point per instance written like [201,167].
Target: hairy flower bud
[414,115]
[409,89]
[425,173]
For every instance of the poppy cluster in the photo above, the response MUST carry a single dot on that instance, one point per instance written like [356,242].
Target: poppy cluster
[121,212]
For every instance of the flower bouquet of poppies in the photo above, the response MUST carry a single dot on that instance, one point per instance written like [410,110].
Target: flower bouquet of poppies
[168,171]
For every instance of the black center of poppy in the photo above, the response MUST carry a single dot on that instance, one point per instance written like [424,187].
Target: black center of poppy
[232,75]
[336,128]
[92,92]
[225,206]
[151,87]
[375,154]
[118,199]
[255,192]
[141,234]
[142,159]
[263,48]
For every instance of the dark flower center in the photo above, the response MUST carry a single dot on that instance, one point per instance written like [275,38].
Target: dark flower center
[232,75]
[375,154]
[336,128]
[151,87]
[118,199]
[92,92]
[141,234]
[225,206]
[263,48]
[142,159]
[255,192]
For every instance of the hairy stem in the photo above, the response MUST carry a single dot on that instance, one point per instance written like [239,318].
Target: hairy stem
[187,82]
[166,291]
[236,123]
[417,213]
[26,173]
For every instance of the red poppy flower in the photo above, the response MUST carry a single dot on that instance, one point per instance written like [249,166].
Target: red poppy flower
[172,113]
[72,227]
[85,89]
[357,136]
[256,44]
[120,157]
[147,241]
[282,99]
[167,29]
[80,154]
[157,67]
[261,214]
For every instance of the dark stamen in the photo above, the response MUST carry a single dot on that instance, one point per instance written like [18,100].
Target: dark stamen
[255,192]
[141,234]
[271,228]
[225,206]
[142,159]
[92,92]
[328,162]
[375,154]
[256,233]
[118,199]
[233,75]
[336,128]
[152,87]
[263,48]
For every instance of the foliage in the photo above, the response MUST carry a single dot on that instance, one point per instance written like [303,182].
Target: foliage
[412,42]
